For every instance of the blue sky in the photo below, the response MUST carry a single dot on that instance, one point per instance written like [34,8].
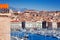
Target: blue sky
[34,4]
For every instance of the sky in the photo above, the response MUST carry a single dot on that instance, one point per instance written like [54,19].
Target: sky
[49,5]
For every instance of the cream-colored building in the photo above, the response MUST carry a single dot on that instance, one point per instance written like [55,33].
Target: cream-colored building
[5,26]
[5,15]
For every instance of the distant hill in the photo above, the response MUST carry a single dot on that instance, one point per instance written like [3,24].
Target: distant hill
[18,9]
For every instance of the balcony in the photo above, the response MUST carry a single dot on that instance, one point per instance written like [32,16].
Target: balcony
[5,14]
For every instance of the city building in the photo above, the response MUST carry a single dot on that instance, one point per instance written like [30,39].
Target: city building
[40,19]
[4,22]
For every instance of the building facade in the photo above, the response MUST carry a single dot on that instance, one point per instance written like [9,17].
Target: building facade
[4,22]
[36,19]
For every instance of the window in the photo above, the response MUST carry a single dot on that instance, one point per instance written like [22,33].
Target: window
[33,14]
[4,10]
[36,14]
